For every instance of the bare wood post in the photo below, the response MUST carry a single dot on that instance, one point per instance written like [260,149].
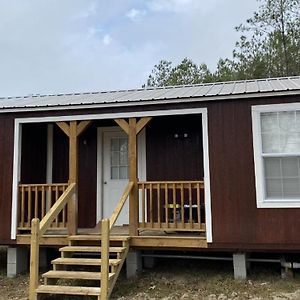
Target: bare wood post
[73,162]
[133,197]
[34,259]
[104,259]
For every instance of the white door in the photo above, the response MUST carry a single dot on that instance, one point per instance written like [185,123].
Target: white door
[112,170]
[115,173]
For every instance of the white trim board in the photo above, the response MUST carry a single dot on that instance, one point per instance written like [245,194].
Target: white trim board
[202,111]
[261,202]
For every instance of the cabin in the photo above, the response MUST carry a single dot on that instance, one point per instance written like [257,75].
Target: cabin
[103,176]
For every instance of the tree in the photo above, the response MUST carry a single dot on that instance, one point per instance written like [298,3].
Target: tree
[187,72]
[269,46]
[160,75]
[270,42]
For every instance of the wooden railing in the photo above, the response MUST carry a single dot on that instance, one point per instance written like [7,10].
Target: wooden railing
[171,205]
[106,226]
[38,228]
[35,200]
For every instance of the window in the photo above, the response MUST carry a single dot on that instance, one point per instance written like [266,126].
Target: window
[119,158]
[276,140]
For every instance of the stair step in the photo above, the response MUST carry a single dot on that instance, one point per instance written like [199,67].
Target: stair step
[96,237]
[75,275]
[90,249]
[68,290]
[83,261]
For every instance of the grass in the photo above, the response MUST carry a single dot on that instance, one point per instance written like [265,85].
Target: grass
[180,279]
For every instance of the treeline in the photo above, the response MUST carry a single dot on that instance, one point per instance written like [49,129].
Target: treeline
[269,46]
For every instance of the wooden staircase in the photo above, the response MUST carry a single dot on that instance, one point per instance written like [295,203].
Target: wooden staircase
[78,270]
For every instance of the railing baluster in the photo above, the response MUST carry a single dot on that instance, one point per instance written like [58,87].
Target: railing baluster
[36,198]
[43,202]
[64,209]
[166,205]
[56,198]
[190,205]
[143,205]
[151,205]
[50,198]
[158,205]
[182,205]
[29,207]
[22,206]
[174,205]
[198,206]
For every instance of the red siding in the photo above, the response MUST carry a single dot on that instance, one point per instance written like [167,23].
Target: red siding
[237,223]
[236,220]
[6,163]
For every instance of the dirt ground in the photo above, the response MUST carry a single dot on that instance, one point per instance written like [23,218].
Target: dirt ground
[181,279]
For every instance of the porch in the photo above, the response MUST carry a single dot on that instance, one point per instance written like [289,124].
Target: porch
[167,213]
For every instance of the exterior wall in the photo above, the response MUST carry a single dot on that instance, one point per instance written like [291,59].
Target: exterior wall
[237,223]
[34,153]
[180,158]
[6,169]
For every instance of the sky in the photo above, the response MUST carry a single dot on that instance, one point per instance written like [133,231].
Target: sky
[65,46]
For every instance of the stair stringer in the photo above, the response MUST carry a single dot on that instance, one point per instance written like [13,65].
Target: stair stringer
[116,276]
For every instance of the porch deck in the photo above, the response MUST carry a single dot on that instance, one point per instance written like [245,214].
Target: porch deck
[146,239]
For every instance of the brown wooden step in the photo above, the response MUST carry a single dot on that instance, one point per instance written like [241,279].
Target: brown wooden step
[91,237]
[90,249]
[68,290]
[83,261]
[75,275]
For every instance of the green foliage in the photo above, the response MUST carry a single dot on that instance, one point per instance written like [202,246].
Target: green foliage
[269,46]
[187,72]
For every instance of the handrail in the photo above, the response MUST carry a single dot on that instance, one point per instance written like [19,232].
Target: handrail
[106,226]
[119,207]
[37,230]
[56,208]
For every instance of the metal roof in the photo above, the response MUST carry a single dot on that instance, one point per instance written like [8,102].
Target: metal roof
[197,92]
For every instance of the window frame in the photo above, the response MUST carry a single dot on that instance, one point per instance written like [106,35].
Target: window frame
[261,200]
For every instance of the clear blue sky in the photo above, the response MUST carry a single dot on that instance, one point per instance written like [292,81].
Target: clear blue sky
[57,46]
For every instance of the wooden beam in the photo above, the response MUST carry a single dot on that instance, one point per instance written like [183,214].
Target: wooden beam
[82,126]
[123,124]
[73,178]
[73,141]
[104,259]
[34,258]
[142,123]
[133,196]
[64,127]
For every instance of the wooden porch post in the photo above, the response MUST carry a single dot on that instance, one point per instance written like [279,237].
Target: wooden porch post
[73,130]
[133,196]
[73,178]
[133,128]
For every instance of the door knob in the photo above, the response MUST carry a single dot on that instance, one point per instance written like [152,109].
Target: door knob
[105,182]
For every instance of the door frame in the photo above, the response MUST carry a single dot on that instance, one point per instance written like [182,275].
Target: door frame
[141,163]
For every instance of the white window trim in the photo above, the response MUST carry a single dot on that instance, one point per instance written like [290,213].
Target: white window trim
[189,111]
[258,158]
